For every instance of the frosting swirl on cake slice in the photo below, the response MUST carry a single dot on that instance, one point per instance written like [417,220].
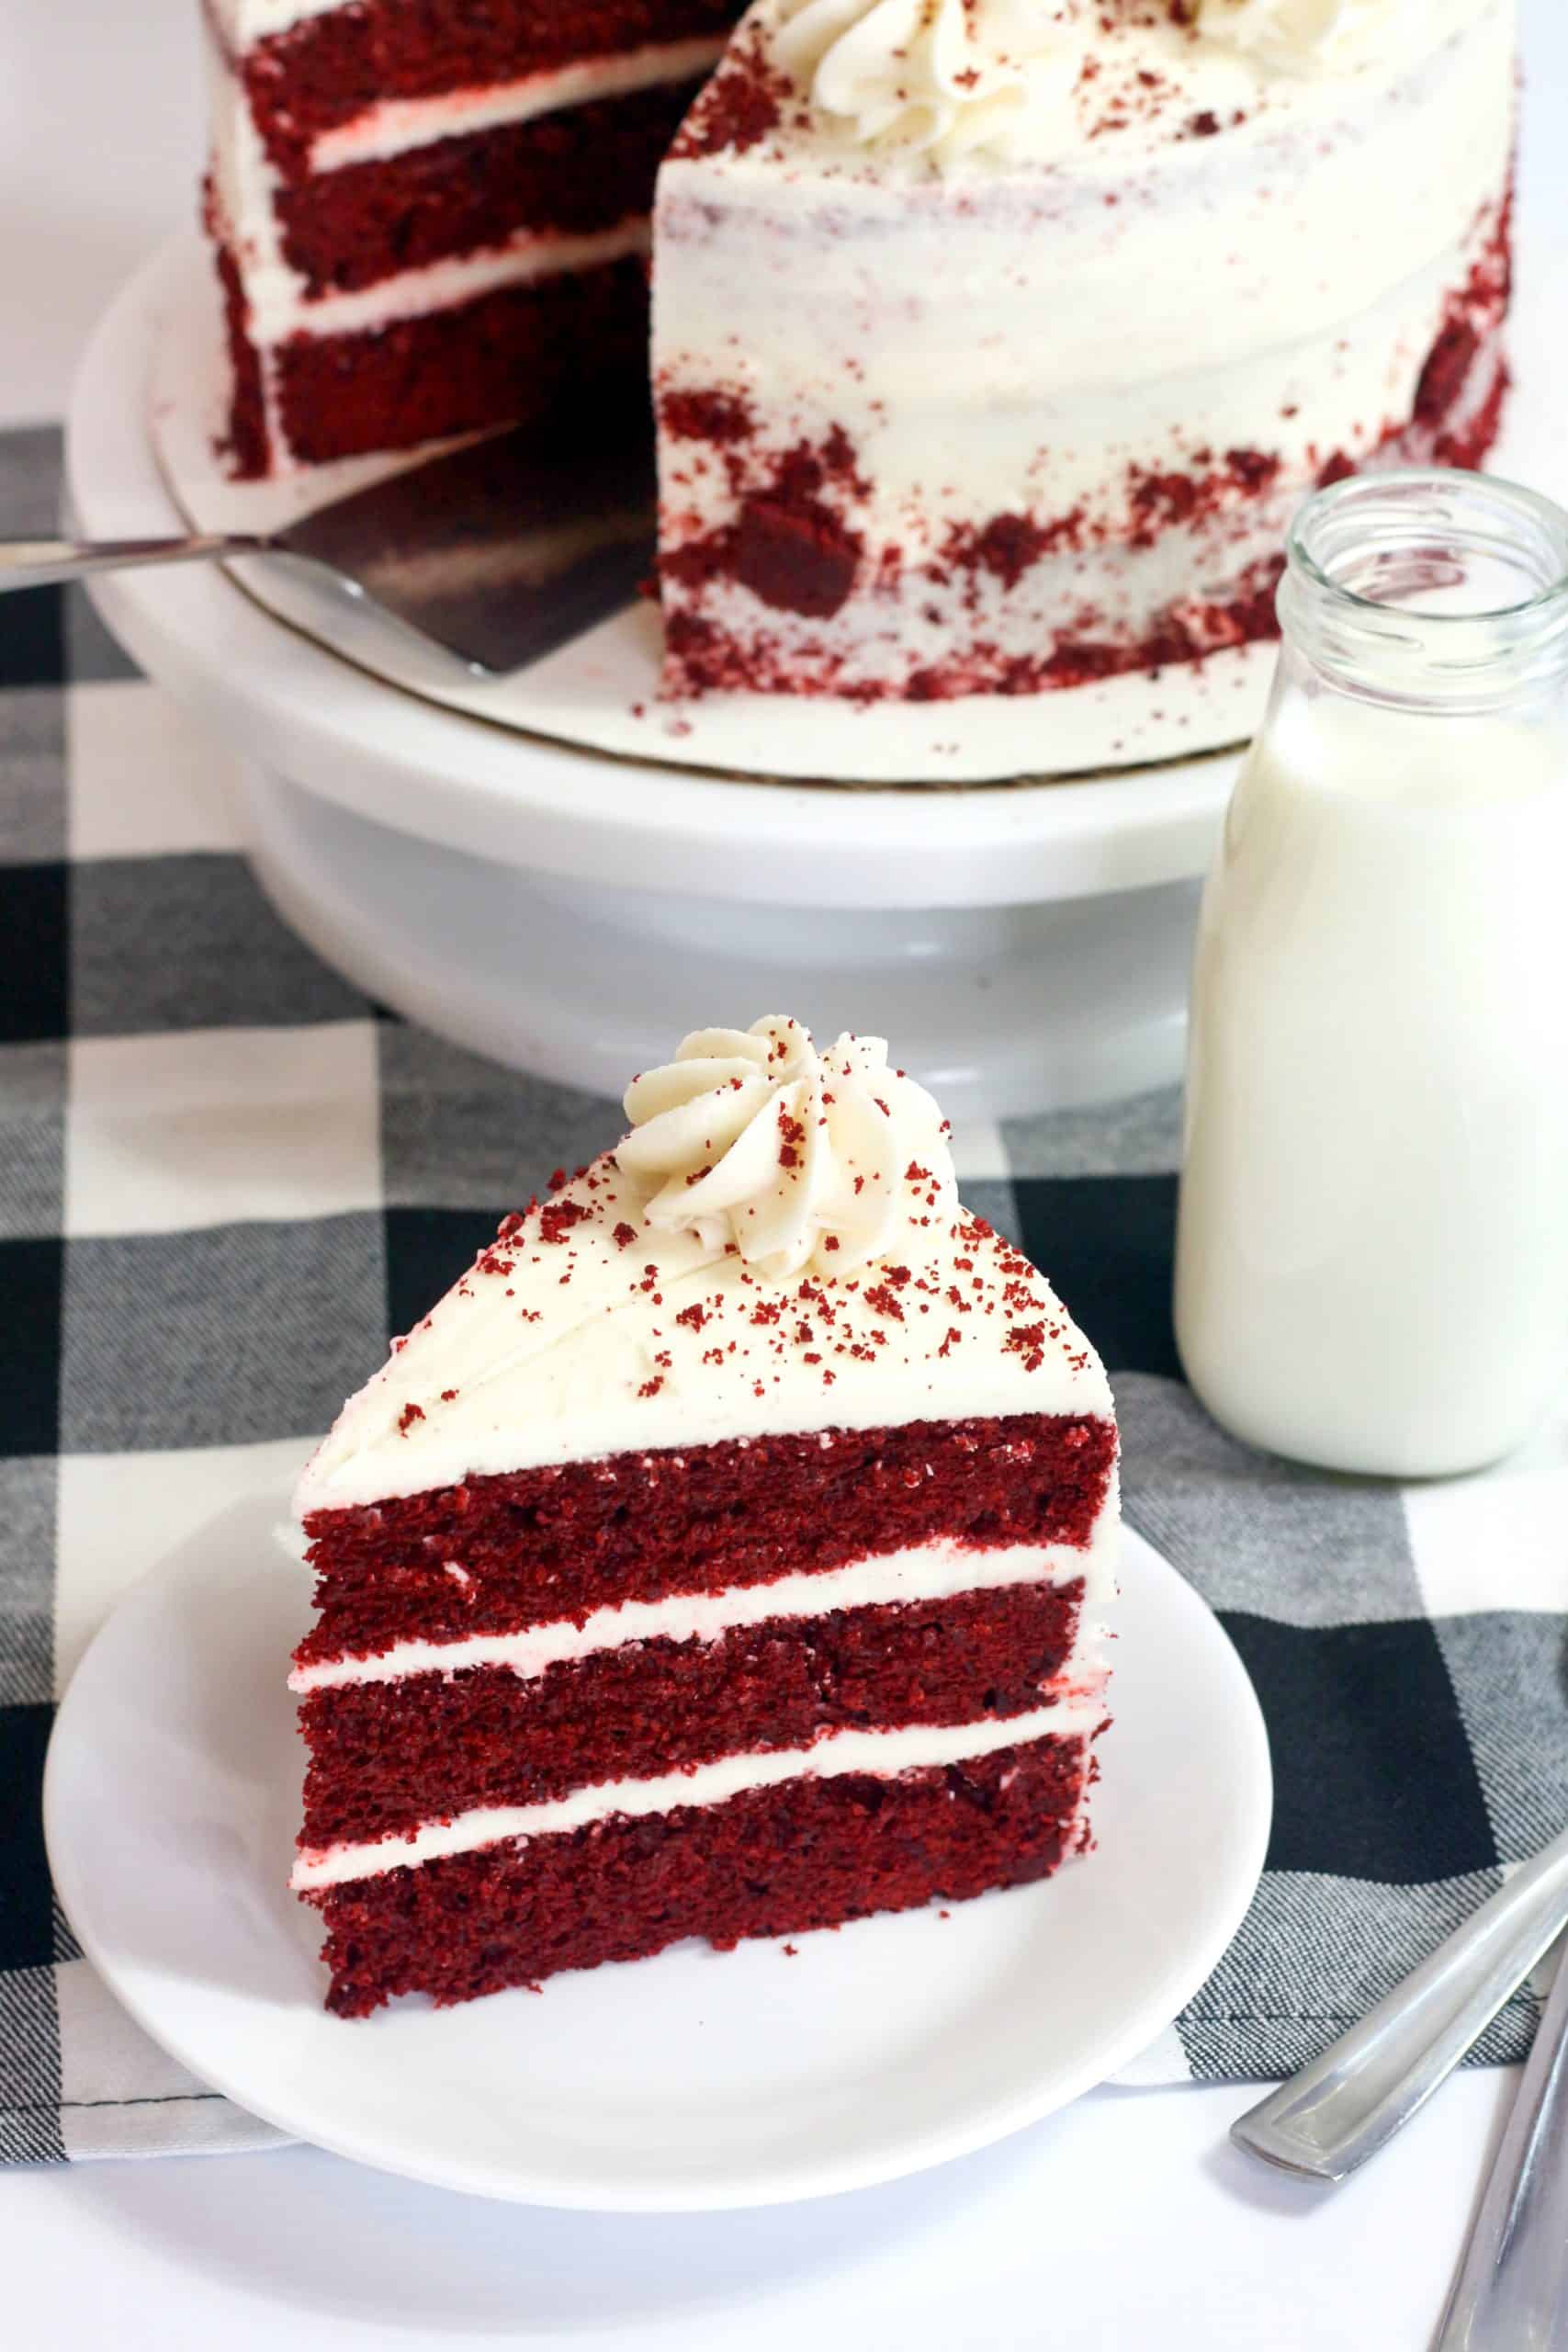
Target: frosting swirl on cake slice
[943,78]
[793,1158]
[637,1308]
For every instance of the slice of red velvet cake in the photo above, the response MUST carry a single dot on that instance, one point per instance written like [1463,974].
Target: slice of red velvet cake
[720,1557]
[434,218]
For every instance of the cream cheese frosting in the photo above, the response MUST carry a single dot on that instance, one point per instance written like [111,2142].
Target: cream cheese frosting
[589,1330]
[796,1157]
[945,78]
[1323,35]
[1005,82]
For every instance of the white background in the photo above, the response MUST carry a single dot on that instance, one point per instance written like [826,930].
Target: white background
[1127,2221]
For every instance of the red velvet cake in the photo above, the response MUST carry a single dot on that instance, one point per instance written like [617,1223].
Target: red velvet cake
[721,1557]
[993,342]
[432,216]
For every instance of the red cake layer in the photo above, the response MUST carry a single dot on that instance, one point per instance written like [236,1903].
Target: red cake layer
[389,1755]
[773,1861]
[327,71]
[248,445]
[518,355]
[539,1545]
[585,169]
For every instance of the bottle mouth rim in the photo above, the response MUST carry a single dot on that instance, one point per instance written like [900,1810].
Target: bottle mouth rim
[1425,502]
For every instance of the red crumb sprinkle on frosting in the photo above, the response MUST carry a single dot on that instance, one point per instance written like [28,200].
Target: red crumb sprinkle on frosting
[699,1313]
[740,106]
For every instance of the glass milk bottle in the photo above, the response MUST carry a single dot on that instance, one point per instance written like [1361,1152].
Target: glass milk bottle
[1373,1262]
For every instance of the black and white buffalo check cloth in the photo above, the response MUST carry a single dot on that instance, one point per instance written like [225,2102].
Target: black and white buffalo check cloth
[225,1178]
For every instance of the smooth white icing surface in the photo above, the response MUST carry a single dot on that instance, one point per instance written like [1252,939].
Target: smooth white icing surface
[925,1572]
[797,1159]
[886,1753]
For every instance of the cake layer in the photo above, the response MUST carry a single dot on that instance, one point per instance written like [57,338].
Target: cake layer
[563,1540]
[885,1754]
[335,66]
[576,173]
[937,1571]
[769,1861]
[518,355]
[388,1756]
[1184,327]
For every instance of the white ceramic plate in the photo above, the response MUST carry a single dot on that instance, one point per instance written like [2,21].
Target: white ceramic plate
[694,2080]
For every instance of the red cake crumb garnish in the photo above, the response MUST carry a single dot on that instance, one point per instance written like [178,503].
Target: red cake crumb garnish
[799,558]
[740,106]
[406,1417]
[718,417]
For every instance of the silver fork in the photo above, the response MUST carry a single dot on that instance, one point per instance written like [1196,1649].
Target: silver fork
[1511,2294]
[1351,2101]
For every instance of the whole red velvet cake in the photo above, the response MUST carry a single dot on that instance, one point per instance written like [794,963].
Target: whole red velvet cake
[720,1557]
[993,342]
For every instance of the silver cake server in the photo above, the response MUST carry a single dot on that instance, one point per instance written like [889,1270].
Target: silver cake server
[500,552]
[1350,2102]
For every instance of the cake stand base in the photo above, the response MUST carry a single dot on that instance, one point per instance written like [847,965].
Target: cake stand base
[1003,1010]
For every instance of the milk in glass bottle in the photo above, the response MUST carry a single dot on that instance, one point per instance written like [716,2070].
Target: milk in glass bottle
[1373,1260]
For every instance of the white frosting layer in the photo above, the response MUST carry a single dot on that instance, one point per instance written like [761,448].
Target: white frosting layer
[927,1572]
[441,285]
[396,125]
[884,1753]
[943,78]
[1211,264]
[795,1157]
[1327,35]
[573,1349]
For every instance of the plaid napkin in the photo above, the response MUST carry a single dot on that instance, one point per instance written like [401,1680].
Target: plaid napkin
[225,1178]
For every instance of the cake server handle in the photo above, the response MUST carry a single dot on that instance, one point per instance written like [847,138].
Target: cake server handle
[47,563]
[1349,2103]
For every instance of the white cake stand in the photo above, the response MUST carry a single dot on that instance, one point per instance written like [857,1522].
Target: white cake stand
[569,912]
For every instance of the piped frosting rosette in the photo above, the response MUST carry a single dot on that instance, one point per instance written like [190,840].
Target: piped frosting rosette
[797,1159]
[945,79]
[1312,36]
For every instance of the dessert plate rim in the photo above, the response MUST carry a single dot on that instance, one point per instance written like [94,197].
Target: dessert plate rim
[888,2046]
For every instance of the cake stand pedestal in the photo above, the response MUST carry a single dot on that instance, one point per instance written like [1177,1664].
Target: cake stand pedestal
[1026,946]
[1001,1010]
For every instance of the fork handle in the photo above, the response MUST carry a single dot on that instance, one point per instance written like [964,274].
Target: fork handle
[45,563]
[1349,2103]
[1512,2289]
